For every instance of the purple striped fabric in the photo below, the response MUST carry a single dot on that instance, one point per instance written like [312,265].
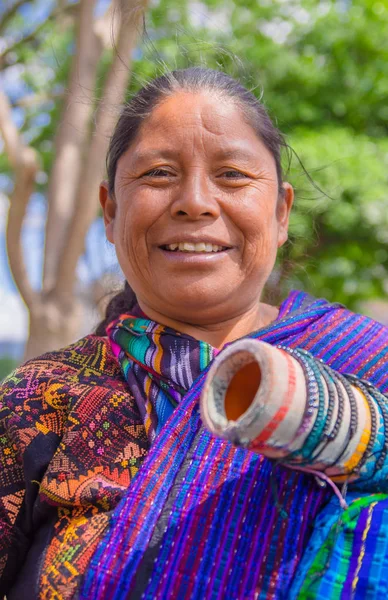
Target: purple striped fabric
[203,519]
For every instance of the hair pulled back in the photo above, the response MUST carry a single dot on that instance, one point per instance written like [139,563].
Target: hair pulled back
[135,112]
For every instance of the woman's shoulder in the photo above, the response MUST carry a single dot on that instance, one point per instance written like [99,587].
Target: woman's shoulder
[58,375]
[302,303]
[348,341]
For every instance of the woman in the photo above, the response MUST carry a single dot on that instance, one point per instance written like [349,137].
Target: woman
[112,484]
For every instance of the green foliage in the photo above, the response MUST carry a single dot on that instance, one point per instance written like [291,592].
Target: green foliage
[7,365]
[322,68]
[341,238]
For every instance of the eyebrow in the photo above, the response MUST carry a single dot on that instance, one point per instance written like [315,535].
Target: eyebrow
[143,155]
[237,153]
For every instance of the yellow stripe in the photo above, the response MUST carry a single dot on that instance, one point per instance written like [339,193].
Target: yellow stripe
[362,551]
[364,440]
[42,428]
[103,357]
[147,388]
[157,368]
[159,354]
[70,568]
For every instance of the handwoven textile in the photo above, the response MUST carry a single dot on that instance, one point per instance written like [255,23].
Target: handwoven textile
[159,364]
[203,519]
[71,442]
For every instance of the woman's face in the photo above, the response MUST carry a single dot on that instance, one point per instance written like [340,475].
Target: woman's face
[197,174]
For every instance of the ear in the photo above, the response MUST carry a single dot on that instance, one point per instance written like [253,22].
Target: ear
[108,206]
[285,203]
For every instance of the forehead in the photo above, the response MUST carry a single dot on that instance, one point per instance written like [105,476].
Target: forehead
[185,109]
[205,119]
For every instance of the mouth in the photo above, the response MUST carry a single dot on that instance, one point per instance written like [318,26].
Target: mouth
[197,248]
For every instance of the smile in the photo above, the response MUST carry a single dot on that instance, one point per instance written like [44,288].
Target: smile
[196,248]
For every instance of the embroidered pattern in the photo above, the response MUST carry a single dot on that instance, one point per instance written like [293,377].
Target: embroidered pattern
[68,420]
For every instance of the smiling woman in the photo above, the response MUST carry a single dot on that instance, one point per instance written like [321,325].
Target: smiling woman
[179,191]
[199,171]
[191,448]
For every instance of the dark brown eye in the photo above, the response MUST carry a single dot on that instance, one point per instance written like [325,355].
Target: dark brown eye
[157,173]
[234,174]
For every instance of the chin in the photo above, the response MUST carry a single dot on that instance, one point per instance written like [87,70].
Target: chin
[200,307]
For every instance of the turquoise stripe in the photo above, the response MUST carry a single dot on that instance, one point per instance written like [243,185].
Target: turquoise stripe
[371,363]
[204,355]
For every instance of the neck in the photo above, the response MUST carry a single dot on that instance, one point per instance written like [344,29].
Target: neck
[220,333]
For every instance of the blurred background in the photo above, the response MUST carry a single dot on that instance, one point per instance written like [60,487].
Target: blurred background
[321,68]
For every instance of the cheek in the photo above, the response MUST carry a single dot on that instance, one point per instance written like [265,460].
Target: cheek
[129,239]
[140,212]
[258,224]
[132,222]
[132,233]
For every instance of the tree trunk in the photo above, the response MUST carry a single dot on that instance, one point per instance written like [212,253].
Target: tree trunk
[71,141]
[52,326]
[86,204]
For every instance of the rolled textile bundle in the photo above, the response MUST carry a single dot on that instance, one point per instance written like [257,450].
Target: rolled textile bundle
[290,406]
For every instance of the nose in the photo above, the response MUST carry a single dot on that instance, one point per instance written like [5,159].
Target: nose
[193,199]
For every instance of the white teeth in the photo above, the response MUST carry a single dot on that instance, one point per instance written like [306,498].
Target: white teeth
[189,247]
[200,247]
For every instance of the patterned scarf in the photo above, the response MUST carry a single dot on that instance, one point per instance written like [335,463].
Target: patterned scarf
[201,518]
[159,364]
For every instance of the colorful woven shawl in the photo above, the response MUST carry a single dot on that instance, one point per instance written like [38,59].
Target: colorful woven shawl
[202,519]
[159,364]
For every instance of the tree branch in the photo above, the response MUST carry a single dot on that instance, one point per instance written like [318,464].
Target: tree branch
[34,99]
[70,141]
[116,82]
[9,13]
[24,161]
[9,132]
[33,34]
